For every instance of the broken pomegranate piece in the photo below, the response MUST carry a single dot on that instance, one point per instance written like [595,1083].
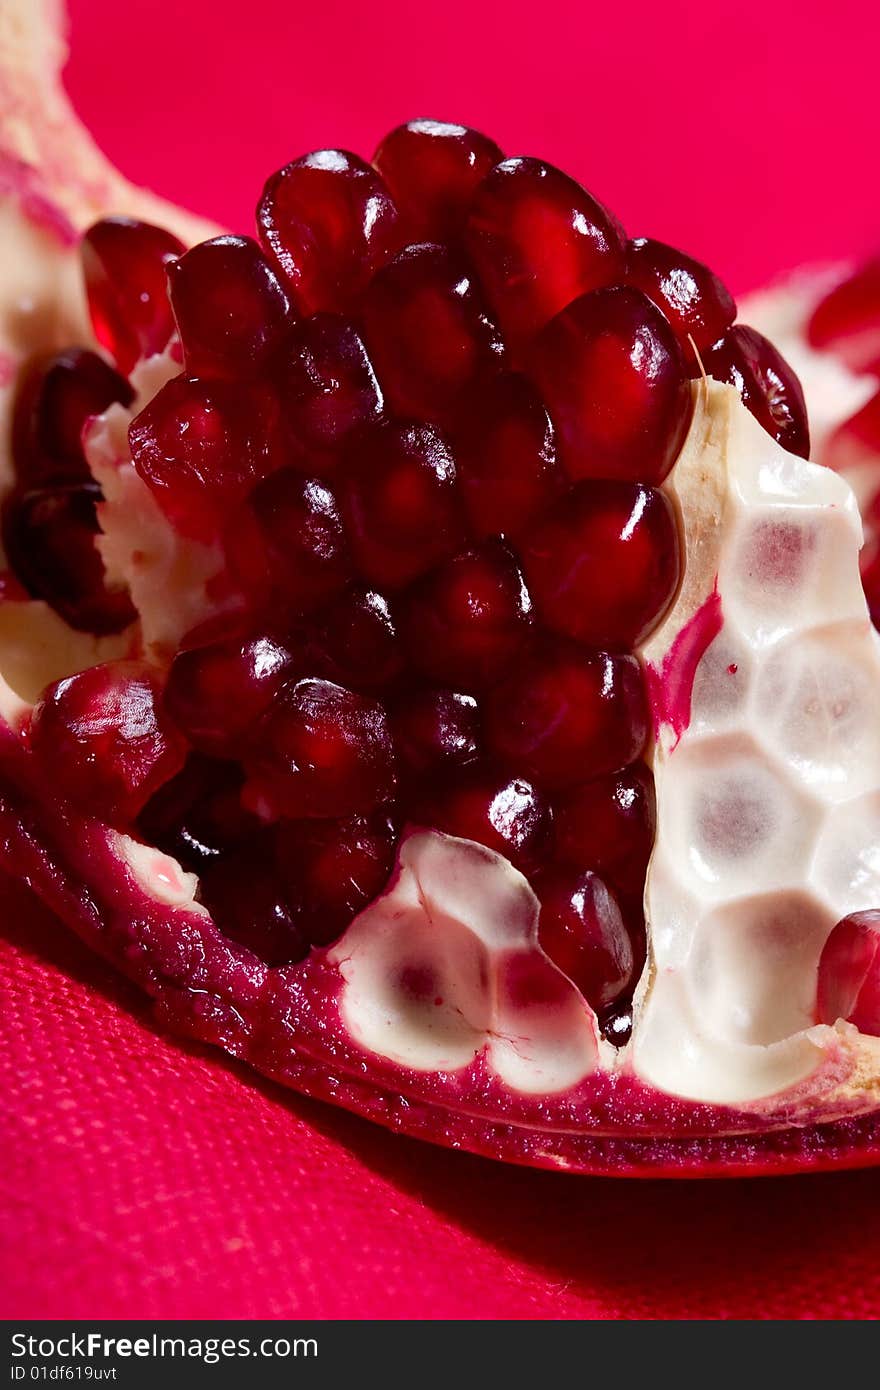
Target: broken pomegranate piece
[483,736]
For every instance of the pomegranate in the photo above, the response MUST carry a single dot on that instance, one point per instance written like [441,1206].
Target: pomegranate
[426,680]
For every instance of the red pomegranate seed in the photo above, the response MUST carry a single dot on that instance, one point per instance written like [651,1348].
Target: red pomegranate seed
[604,564]
[432,169]
[566,715]
[198,815]
[767,384]
[125,265]
[201,445]
[400,502]
[847,321]
[688,293]
[321,750]
[508,815]
[427,332]
[333,869]
[229,306]
[245,896]
[582,931]
[354,641]
[326,383]
[104,741]
[857,441]
[506,454]
[287,544]
[538,240]
[215,693]
[329,222]
[849,973]
[614,380]
[609,824]
[49,537]
[435,730]
[466,621]
[56,398]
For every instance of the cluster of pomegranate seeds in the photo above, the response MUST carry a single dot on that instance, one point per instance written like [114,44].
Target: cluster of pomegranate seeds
[427,418]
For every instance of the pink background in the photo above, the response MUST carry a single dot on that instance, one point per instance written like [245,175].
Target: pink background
[146,1178]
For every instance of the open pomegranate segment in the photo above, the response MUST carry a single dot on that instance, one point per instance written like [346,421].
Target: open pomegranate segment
[431,686]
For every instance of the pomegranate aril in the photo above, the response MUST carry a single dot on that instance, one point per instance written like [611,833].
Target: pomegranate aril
[287,544]
[506,453]
[125,264]
[329,222]
[847,320]
[49,537]
[465,622]
[198,815]
[608,824]
[582,930]
[617,1024]
[201,445]
[766,383]
[229,306]
[249,903]
[435,730]
[431,169]
[326,382]
[856,443]
[615,383]
[104,740]
[427,332]
[401,504]
[538,240]
[354,641]
[334,868]
[697,304]
[566,715]
[216,692]
[321,750]
[604,564]
[507,814]
[56,397]
[849,973]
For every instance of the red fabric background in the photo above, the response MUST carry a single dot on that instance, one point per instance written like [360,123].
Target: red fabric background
[144,1178]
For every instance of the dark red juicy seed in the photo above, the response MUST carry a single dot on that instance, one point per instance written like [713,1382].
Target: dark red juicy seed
[466,621]
[334,868]
[506,455]
[435,730]
[427,332]
[56,397]
[766,383]
[49,536]
[321,750]
[582,931]
[614,380]
[326,383]
[538,240]
[566,715]
[125,265]
[354,641]
[247,899]
[229,306]
[604,564]
[287,544]
[201,445]
[507,815]
[215,693]
[608,824]
[698,305]
[198,815]
[432,170]
[847,321]
[849,973]
[329,222]
[400,502]
[104,740]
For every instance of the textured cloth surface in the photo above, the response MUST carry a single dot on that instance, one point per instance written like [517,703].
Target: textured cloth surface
[146,1178]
